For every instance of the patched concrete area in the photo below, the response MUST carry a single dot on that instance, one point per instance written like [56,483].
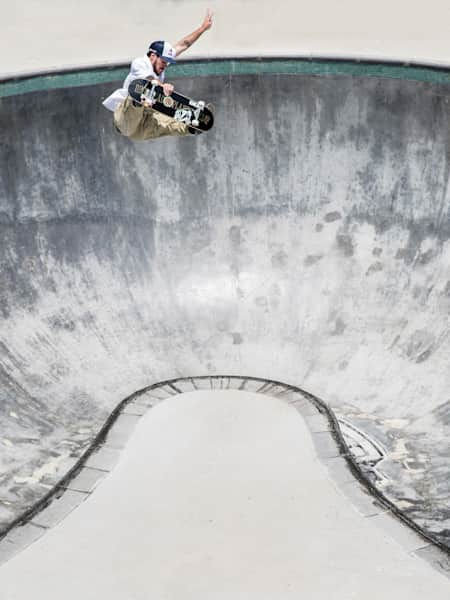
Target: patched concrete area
[218,494]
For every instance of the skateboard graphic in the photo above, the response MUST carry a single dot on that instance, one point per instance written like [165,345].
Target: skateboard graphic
[193,113]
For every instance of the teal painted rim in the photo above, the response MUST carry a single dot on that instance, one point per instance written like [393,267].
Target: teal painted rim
[98,75]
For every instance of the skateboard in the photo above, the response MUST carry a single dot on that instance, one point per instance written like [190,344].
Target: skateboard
[194,113]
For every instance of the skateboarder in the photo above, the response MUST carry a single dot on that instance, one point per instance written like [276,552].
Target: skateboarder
[139,122]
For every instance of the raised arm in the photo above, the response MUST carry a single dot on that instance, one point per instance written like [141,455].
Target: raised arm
[190,39]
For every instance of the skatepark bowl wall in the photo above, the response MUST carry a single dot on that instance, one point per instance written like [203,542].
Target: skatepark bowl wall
[305,239]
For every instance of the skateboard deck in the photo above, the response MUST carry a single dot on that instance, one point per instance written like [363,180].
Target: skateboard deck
[192,112]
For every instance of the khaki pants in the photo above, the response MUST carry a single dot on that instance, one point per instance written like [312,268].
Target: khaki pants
[139,123]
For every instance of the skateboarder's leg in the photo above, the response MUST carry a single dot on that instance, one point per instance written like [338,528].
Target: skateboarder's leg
[127,117]
[169,126]
[155,125]
[140,124]
[148,127]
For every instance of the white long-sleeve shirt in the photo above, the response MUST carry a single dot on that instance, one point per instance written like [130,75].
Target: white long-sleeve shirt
[141,68]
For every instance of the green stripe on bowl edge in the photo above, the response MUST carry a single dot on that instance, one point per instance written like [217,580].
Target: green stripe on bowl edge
[96,76]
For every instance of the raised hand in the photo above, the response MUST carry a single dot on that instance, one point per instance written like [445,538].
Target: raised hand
[208,20]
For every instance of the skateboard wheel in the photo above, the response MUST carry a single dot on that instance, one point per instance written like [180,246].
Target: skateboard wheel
[201,104]
[195,123]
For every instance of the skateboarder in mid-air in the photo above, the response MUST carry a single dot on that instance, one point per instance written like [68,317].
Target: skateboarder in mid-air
[140,122]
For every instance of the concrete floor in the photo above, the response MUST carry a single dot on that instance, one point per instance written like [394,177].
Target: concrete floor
[219,495]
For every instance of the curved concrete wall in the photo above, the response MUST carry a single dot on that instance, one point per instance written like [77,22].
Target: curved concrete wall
[305,239]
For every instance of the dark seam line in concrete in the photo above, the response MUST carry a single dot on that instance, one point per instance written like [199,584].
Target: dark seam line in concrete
[243,385]
[175,389]
[86,493]
[246,66]
[39,526]
[97,468]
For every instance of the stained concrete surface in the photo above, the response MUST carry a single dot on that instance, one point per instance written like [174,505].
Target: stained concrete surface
[304,239]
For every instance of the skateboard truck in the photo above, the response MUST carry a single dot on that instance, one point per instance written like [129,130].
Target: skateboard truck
[150,97]
[199,106]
